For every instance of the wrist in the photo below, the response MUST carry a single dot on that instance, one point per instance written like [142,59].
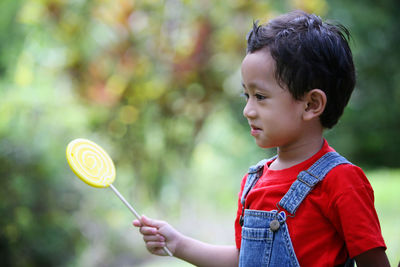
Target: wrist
[181,245]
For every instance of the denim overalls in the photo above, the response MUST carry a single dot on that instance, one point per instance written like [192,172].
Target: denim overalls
[265,236]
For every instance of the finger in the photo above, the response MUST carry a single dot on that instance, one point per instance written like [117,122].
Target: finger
[137,223]
[157,251]
[154,246]
[151,222]
[153,238]
[160,252]
[146,230]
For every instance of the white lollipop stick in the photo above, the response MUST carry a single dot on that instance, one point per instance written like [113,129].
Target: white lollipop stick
[94,166]
[166,250]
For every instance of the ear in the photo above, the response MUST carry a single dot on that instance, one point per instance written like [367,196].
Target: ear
[315,102]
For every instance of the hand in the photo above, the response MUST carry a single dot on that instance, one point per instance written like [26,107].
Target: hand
[158,234]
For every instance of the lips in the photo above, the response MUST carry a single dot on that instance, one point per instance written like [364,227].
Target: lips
[255,130]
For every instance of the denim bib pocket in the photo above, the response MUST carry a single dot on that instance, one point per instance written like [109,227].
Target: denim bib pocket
[257,239]
[257,233]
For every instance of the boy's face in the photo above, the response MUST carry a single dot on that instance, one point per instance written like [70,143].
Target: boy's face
[274,116]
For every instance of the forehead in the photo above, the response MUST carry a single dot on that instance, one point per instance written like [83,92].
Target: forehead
[258,65]
[260,59]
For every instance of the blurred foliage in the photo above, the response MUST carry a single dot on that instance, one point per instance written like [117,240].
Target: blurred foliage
[370,128]
[156,83]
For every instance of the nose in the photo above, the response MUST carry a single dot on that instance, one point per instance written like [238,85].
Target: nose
[249,110]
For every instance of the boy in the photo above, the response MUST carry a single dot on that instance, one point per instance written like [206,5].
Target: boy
[308,206]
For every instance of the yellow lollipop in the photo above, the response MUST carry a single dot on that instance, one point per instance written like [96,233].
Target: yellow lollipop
[90,163]
[95,167]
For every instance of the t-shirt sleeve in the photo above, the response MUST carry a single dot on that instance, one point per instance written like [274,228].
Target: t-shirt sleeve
[351,209]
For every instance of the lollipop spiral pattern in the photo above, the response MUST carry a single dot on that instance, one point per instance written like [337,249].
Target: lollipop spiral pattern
[90,163]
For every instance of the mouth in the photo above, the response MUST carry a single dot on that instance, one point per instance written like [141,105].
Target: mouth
[255,130]
[253,127]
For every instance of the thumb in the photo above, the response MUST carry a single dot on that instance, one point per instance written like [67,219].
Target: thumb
[151,222]
[137,223]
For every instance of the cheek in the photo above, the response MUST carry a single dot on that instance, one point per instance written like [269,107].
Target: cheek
[286,119]
[293,110]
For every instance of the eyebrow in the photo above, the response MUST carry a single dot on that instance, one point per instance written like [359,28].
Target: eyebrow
[254,85]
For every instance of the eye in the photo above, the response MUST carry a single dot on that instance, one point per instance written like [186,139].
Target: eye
[259,97]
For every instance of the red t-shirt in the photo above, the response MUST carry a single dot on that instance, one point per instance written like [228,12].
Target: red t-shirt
[336,219]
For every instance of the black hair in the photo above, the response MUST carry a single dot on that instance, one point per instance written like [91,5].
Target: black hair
[309,54]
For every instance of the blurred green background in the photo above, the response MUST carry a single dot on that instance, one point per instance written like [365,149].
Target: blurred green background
[157,84]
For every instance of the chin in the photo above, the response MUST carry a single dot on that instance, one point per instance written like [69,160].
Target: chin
[264,145]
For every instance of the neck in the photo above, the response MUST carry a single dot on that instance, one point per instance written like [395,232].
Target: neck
[296,153]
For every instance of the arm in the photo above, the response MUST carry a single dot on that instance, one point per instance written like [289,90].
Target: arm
[202,254]
[157,234]
[375,257]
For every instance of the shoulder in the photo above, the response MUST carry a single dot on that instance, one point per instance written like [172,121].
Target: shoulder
[348,176]
[345,175]
[347,183]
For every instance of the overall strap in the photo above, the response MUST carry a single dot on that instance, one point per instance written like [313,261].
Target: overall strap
[254,174]
[306,180]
